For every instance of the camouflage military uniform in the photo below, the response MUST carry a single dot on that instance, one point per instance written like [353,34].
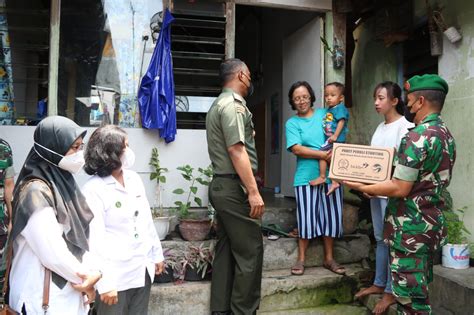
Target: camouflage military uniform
[6,171]
[415,225]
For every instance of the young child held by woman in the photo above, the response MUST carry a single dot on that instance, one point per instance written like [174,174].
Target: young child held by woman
[335,127]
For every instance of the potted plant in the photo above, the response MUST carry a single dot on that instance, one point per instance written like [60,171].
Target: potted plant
[172,259]
[471,258]
[191,226]
[160,218]
[196,263]
[456,252]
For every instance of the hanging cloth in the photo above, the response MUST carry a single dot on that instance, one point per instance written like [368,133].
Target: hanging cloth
[156,92]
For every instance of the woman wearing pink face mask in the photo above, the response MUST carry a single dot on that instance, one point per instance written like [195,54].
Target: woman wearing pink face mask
[122,232]
[389,133]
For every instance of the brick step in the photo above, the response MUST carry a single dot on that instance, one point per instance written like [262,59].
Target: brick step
[281,292]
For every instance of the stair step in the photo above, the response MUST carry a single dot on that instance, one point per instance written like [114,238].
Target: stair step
[323,310]
[317,287]
[371,300]
[280,291]
[452,290]
[282,253]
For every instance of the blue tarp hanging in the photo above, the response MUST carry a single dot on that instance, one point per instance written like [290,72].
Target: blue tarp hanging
[156,92]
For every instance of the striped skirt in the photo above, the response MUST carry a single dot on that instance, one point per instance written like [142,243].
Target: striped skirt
[318,214]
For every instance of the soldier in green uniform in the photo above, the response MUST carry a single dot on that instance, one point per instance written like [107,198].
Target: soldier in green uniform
[6,191]
[237,267]
[414,224]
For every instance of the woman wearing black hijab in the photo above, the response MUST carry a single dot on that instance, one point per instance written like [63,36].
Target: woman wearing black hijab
[51,224]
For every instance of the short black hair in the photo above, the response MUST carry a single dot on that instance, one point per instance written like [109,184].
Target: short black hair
[435,97]
[393,91]
[339,86]
[229,68]
[296,85]
[104,149]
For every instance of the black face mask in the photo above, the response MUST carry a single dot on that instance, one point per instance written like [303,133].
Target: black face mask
[409,116]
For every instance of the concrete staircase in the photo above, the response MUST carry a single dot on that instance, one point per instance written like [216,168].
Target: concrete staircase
[451,293]
[318,291]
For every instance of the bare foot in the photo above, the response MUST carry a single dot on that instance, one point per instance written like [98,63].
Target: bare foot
[334,185]
[387,300]
[318,181]
[370,290]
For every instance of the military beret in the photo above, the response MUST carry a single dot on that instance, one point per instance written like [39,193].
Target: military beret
[426,82]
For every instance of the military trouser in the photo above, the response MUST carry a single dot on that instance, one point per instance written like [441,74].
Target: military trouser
[237,266]
[411,274]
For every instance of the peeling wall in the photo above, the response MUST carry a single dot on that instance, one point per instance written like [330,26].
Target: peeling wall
[373,63]
[331,74]
[456,65]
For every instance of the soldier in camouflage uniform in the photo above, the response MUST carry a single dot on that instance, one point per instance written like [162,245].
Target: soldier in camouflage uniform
[6,190]
[415,225]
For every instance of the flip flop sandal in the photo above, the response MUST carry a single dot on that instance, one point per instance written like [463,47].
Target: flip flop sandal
[293,233]
[334,267]
[298,268]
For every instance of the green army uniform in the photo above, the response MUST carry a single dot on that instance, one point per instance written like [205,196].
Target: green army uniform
[237,267]
[415,226]
[6,172]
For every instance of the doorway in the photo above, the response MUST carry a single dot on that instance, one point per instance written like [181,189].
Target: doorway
[280,47]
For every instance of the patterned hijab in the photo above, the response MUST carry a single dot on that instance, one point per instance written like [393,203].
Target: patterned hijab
[56,133]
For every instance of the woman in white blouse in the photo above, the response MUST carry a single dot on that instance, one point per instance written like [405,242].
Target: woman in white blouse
[50,227]
[389,133]
[122,231]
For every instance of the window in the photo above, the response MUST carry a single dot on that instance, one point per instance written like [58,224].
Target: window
[198,48]
[102,59]
[104,50]
[24,57]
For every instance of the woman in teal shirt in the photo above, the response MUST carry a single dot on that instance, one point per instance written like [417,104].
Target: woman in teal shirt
[318,214]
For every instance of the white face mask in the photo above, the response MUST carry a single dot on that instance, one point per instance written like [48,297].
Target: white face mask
[71,163]
[127,158]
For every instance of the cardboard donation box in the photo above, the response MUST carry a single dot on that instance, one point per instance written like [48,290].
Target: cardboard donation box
[361,163]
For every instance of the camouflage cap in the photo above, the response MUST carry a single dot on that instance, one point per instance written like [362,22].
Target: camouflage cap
[426,82]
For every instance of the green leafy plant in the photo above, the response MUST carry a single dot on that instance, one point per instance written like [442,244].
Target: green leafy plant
[198,258]
[157,175]
[457,231]
[203,177]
